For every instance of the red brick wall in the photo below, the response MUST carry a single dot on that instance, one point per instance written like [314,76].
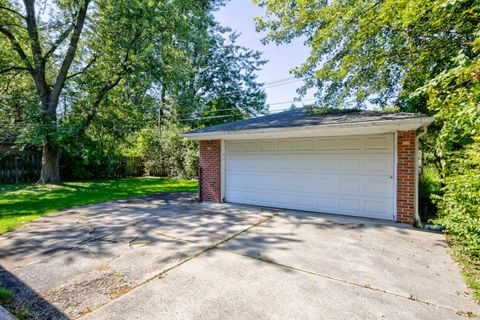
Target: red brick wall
[406,163]
[210,178]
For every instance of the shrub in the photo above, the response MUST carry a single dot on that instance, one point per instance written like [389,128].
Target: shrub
[429,188]
[165,153]
[459,207]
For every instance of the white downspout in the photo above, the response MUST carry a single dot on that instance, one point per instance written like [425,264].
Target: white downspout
[417,138]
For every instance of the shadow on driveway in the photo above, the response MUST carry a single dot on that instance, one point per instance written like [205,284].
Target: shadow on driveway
[25,300]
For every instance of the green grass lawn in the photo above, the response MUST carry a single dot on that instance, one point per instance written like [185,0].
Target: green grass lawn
[22,203]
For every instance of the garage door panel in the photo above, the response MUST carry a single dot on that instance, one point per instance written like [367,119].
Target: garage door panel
[326,165]
[341,175]
[266,179]
[350,205]
[286,200]
[284,163]
[284,182]
[377,207]
[305,163]
[250,146]
[350,185]
[326,204]
[247,196]
[286,145]
[305,182]
[382,166]
[235,180]
[350,144]
[264,164]
[380,144]
[326,183]
[377,143]
[305,145]
[326,145]
[381,188]
[305,201]
[350,165]
[267,198]
[234,146]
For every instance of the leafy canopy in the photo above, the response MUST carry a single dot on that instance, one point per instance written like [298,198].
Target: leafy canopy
[372,51]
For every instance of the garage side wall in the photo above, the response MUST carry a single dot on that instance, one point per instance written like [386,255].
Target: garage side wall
[210,170]
[406,163]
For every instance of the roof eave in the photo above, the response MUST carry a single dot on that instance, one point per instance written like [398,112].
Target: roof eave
[365,127]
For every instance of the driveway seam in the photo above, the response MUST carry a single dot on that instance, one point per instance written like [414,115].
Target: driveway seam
[164,272]
[258,223]
[364,286]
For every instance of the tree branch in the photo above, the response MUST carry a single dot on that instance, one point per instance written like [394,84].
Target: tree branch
[33,35]
[12,68]
[83,70]
[13,11]
[10,81]
[17,47]
[59,41]
[70,55]
[101,94]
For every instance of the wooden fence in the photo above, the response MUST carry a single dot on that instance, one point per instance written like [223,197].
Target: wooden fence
[18,168]
[120,167]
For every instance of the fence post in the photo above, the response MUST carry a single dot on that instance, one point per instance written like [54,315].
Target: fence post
[16,168]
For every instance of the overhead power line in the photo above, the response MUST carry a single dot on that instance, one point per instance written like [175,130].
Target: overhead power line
[277,81]
[23,126]
[281,84]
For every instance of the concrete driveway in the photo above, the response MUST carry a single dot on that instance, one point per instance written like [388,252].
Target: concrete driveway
[168,257]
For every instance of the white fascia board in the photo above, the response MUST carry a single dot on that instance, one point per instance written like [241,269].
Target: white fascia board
[338,129]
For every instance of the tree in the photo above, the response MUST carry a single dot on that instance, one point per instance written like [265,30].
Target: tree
[373,51]
[77,52]
[215,79]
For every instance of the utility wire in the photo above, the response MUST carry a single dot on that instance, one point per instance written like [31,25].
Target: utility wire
[20,126]
[281,84]
[277,81]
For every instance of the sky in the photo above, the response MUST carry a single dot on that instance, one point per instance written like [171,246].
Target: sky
[239,15]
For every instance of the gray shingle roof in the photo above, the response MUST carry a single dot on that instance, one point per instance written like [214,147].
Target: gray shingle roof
[300,117]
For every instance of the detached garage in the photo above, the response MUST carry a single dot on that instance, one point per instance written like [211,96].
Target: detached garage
[358,163]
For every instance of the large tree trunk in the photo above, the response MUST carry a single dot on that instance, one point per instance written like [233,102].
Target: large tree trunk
[50,172]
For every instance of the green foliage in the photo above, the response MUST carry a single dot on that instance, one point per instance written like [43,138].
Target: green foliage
[165,153]
[315,111]
[459,207]
[472,277]
[135,60]
[22,203]
[430,183]
[376,51]
[5,296]
[22,314]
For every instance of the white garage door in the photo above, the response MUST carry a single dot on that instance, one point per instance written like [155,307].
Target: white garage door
[342,175]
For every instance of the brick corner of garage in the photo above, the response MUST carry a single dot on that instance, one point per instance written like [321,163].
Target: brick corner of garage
[406,161]
[210,170]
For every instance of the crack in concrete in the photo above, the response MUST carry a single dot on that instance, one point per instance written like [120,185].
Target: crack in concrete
[164,272]
[364,286]
[223,241]
[76,245]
